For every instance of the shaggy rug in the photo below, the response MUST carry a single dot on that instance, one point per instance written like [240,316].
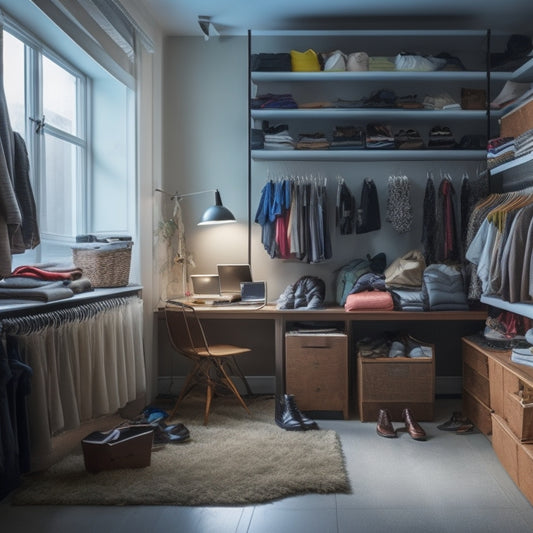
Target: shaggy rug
[238,459]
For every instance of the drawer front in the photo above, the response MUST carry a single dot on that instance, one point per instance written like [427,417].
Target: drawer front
[476,384]
[316,372]
[475,360]
[505,446]
[519,417]
[396,381]
[478,412]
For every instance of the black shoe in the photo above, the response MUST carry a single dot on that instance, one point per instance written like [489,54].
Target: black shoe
[289,417]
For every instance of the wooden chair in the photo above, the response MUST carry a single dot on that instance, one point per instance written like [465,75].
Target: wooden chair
[212,364]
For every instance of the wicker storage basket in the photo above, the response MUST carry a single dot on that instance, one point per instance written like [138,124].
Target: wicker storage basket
[104,265]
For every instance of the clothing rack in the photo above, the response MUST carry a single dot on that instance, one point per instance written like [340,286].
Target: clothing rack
[86,361]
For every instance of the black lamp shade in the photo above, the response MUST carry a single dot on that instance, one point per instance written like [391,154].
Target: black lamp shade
[217,214]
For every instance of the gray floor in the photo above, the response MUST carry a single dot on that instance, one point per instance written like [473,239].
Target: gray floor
[449,483]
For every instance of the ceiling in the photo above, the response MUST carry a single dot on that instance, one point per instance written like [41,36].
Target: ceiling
[235,17]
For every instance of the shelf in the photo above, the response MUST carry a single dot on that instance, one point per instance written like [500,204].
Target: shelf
[524,73]
[382,76]
[519,161]
[371,114]
[369,155]
[524,309]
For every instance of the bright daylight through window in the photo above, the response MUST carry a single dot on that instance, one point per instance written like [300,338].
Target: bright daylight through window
[46,105]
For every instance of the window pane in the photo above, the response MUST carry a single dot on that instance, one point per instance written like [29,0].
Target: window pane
[14,81]
[59,97]
[58,190]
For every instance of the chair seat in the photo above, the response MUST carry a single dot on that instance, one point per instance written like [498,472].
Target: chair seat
[223,350]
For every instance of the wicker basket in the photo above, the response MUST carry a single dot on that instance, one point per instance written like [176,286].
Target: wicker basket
[104,266]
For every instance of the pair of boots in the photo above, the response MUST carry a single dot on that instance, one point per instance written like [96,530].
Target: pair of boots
[289,417]
[385,428]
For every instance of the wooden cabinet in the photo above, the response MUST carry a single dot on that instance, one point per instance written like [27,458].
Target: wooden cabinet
[476,387]
[510,407]
[316,371]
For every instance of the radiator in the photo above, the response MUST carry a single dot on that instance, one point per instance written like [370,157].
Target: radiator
[87,361]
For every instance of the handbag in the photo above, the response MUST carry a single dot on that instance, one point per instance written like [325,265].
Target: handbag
[369,300]
[406,272]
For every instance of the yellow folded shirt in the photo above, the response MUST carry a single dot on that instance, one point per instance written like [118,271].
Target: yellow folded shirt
[305,61]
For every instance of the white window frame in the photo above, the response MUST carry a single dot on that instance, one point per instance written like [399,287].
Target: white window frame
[34,52]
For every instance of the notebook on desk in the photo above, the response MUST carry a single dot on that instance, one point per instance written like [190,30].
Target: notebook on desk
[230,277]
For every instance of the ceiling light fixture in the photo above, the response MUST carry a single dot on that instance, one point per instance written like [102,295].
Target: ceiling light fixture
[207,27]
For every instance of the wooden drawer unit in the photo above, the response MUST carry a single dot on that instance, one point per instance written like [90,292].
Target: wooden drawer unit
[476,386]
[478,412]
[316,371]
[394,384]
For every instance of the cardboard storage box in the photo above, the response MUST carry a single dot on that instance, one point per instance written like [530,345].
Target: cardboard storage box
[131,449]
[517,121]
[395,384]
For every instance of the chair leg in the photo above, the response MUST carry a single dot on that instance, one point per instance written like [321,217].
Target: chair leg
[231,385]
[241,375]
[188,386]
[209,397]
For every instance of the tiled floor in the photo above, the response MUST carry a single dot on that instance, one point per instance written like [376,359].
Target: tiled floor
[449,483]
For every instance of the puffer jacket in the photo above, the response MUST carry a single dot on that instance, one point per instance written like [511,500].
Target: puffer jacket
[443,288]
[308,292]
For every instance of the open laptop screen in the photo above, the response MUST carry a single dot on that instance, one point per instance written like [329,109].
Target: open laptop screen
[205,284]
[231,277]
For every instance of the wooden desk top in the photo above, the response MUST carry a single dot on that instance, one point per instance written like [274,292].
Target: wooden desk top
[332,313]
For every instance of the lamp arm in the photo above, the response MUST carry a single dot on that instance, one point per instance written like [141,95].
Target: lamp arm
[177,196]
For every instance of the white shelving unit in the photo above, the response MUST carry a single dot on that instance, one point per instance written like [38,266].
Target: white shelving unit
[309,86]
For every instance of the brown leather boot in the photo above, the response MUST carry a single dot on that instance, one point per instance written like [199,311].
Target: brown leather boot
[384,427]
[413,428]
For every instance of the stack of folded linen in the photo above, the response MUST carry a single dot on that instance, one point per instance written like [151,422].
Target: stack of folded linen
[278,138]
[500,150]
[273,101]
[348,138]
[441,138]
[312,141]
[524,143]
[379,137]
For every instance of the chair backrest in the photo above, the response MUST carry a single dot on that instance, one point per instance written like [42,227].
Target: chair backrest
[184,329]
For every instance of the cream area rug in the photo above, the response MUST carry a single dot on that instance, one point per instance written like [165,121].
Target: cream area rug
[238,459]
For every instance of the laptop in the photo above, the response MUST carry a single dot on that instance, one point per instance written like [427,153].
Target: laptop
[205,288]
[253,293]
[230,277]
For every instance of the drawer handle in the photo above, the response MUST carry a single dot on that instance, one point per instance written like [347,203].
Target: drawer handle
[316,347]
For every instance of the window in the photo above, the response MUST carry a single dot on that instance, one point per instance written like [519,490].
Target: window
[76,120]
[46,102]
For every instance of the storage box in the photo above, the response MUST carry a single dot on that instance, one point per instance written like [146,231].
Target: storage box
[105,264]
[395,384]
[316,371]
[132,449]
[517,121]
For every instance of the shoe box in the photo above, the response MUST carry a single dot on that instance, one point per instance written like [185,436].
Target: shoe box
[131,449]
[395,384]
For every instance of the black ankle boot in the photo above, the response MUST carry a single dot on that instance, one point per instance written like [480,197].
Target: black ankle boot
[289,417]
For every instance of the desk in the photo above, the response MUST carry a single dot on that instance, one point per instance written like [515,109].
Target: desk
[330,313]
